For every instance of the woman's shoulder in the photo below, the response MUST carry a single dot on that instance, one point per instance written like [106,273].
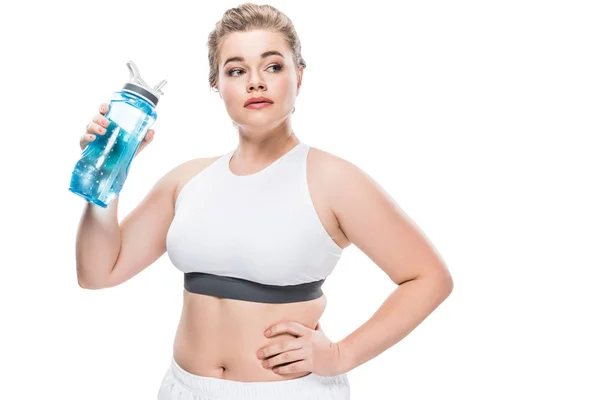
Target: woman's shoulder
[194,165]
[326,165]
[186,170]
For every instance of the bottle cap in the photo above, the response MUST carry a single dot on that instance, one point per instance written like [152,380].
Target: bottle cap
[138,86]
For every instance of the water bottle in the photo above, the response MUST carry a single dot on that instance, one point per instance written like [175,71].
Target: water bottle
[102,169]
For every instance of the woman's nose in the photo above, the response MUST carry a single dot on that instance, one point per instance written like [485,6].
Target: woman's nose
[254,85]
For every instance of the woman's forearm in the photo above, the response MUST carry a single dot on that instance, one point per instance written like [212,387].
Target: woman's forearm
[408,305]
[98,243]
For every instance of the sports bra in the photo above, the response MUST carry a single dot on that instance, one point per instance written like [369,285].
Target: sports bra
[253,237]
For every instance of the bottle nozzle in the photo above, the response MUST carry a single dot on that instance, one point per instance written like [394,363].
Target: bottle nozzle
[160,85]
[136,80]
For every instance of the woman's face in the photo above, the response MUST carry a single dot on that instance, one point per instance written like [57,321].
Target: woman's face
[245,73]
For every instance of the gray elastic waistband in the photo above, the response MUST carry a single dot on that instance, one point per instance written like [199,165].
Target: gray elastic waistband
[242,289]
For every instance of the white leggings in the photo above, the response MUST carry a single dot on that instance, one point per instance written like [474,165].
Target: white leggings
[179,384]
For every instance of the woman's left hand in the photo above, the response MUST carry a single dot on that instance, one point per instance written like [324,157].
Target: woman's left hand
[309,351]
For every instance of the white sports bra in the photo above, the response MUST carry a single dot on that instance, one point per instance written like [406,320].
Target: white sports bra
[252,237]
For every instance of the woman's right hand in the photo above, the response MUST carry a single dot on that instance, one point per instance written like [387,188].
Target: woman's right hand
[98,126]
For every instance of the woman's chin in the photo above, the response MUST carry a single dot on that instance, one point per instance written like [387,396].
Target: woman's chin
[259,121]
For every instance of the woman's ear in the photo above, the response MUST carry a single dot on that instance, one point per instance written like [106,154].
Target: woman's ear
[300,72]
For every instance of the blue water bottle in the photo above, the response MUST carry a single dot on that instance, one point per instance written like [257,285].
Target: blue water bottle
[102,169]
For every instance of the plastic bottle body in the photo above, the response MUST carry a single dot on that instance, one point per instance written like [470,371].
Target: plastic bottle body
[103,167]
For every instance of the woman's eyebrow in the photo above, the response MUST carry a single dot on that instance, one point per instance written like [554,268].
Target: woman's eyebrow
[263,55]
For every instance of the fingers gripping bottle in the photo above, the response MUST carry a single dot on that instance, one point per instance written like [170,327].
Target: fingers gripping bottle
[102,169]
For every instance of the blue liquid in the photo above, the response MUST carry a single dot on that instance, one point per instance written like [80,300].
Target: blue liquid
[98,176]
[101,171]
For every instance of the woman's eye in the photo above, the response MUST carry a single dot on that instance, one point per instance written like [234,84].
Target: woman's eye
[233,71]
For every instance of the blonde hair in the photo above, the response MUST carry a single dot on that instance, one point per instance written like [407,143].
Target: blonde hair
[247,17]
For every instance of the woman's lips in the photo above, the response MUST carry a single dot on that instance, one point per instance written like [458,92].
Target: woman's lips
[258,105]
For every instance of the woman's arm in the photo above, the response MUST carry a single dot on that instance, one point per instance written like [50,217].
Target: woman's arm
[97,243]
[372,221]
[109,253]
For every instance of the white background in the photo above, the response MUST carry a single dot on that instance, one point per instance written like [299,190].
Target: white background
[479,118]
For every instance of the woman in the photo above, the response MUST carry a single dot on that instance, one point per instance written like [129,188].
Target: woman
[256,231]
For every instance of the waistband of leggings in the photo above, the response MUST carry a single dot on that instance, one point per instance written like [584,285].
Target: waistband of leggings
[212,385]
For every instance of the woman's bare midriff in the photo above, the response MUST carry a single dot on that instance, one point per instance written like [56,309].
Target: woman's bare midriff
[221,337]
